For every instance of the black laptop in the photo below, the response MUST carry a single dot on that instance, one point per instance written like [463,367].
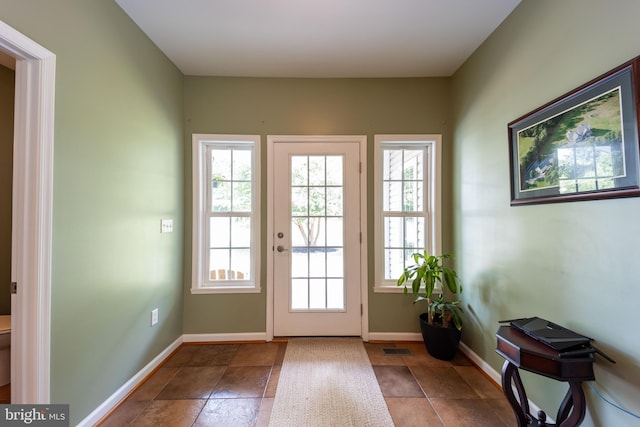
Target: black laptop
[555,336]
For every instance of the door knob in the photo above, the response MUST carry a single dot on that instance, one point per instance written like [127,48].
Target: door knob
[281,248]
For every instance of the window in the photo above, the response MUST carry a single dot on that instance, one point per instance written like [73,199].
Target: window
[226,224]
[407,203]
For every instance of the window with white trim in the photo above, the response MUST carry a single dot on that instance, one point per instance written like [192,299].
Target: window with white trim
[226,235]
[407,203]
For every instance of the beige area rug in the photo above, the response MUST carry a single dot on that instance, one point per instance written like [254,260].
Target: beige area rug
[328,382]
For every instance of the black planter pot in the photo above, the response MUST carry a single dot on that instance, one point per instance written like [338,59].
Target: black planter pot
[442,343]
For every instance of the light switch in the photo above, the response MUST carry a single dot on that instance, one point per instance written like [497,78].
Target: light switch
[166,226]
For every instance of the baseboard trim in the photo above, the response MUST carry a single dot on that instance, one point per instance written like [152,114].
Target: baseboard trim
[481,364]
[113,400]
[495,375]
[129,386]
[132,383]
[242,337]
[395,336]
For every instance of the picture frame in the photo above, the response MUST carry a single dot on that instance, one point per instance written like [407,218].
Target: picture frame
[581,146]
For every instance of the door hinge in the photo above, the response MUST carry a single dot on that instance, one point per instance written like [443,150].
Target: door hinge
[361,237]
[14,287]
[361,310]
[360,167]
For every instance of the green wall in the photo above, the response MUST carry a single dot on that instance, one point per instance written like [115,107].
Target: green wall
[124,119]
[118,170]
[573,263]
[7,84]
[308,107]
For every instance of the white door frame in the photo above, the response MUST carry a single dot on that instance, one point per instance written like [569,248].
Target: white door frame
[364,290]
[32,216]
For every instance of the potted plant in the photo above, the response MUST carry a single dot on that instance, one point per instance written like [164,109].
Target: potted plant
[216,180]
[431,281]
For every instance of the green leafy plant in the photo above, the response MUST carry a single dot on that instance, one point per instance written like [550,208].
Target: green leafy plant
[428,275]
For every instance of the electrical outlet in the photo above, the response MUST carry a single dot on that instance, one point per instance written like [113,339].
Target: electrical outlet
[154,316]
[166,226]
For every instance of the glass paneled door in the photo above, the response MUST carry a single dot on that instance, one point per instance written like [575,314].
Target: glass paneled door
[316,262]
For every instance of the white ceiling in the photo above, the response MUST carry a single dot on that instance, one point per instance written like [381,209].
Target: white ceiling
[318,38]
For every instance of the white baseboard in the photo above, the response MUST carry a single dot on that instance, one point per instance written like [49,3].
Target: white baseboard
[130,385]
[477,360]
[480,363]
[496,376]
[395,336]
[245,336]
[134,381]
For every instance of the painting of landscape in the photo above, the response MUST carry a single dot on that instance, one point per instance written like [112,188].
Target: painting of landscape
[578,150]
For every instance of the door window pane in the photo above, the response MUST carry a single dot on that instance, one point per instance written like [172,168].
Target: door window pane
[335,264]
[335,294]
[316,170]
[334,201]
[299,263]
[317,232]
[299,231]
[317,294]
[335,231]
[317,262]
[317,202]
[299,169]
[334,170]
[299,294]
[299,201]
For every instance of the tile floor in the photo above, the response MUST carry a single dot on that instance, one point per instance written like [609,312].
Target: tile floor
[235,384]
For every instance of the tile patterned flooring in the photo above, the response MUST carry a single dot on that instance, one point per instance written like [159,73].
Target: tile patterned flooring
[235,384]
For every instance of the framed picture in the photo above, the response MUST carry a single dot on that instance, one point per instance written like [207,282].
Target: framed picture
[583,145]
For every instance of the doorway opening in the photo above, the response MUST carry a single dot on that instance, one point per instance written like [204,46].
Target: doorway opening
[316,236]
[7,106]
[31,215]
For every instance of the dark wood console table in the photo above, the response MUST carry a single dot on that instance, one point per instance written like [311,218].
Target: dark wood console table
[523,352]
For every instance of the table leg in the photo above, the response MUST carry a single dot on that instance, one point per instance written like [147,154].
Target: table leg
[573,407]
[520,405]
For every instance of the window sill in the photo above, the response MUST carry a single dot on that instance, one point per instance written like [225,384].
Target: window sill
[388,289]
[225,290]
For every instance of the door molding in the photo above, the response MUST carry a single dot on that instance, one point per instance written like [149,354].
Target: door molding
[364,290]
[32,216]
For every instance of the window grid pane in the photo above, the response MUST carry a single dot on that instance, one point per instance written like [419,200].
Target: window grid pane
[403,180]
[230,248]
[230,220]
[403,210]
[231,180]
